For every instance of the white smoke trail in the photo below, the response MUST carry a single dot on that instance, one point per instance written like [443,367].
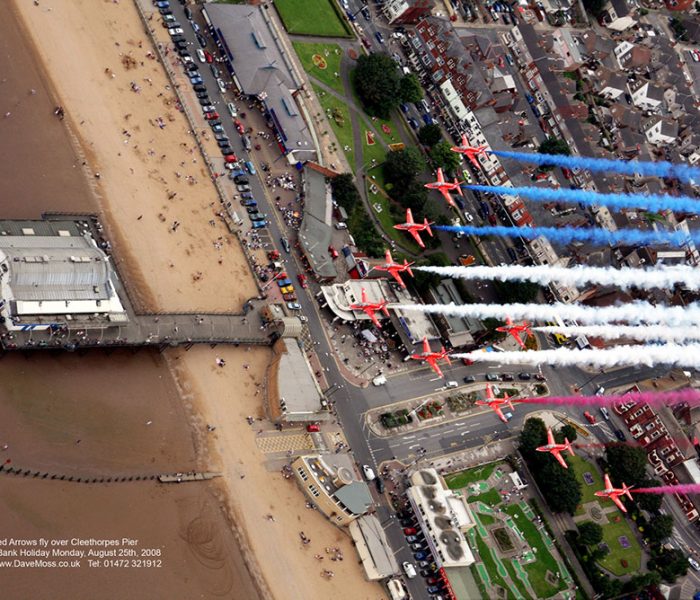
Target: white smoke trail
[633,312]
[662,277]
[666,354]
[648,333]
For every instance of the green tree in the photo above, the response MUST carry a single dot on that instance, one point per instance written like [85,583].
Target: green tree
[410,89]
[344,191]
[377,83]
[560,488]
[443,157]
[590,533]
[566,431]
[533,434]
[670,564]
[429,135]
[594,7]
[414,197]
[553,145]
[638,582]
[516,291]
[364,232]
[626,464]
[660,527]
[649,502]
[401,168]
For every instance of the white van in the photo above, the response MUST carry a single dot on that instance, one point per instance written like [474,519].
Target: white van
[605,413]
[600,392]
[369,473]
[451,384]
[232,110]
[200,55]
[379,380]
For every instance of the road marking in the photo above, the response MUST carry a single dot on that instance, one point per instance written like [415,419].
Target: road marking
[414,446]
[408,437]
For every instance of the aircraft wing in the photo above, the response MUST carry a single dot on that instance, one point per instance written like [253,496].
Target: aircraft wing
[416,236]
[387,257]
[364,295]
[409,216]
[447,196]
[440,177]
[617,501]
[607,483]
[426,346]
[397,276]
[558,456]
[434,366]
[550,437]
[499,412]
[516,335]
[473,160]
[373,317]
[489,392]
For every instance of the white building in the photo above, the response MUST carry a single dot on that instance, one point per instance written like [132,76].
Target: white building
[48,280]
[443,517]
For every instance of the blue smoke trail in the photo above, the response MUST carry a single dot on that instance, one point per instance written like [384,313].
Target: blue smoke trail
[604,237]
[632,167]
[652,202]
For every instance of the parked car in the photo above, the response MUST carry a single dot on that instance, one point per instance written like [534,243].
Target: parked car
[175,31]
[313,427]
[420,555]
[201,39]
[619,435]
[540,377]
[589,417]
[492,377]
[250,167]
[432,589]
[379,36]
[290,297]
[201,56]
[524,376]
[209,56]
[409,531]
[417,546]
[243,188]
[293,306]
[469,379]
[259,224]
[409,569]
[412,538]
[379,483]
[221,84]
[188,12]
[302,280]
[232,109]
[367,470]
[249,203]
[285,244]
[506,377]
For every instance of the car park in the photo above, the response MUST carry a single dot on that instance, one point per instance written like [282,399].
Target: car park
[239,126]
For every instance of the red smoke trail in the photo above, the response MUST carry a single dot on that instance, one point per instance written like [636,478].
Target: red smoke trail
[652,398]
[683,488]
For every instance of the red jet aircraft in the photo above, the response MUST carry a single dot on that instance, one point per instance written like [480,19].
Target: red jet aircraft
[413,228]
[495,403]
[371,307]
[471,152]
[556,449]
[444,187]
[432,357]
[396,268]
[615,493]
[516,330]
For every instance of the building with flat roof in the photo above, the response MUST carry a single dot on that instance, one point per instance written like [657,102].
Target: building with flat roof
[53,273]
[260,67]
[443,516]
[316,231]
[458,330]
[331,483]
[293,392]
[373,547]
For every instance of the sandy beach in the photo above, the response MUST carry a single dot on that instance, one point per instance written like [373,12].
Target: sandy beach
[138,143]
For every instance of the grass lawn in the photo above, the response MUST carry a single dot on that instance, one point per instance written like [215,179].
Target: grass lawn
[311,17]
[536,571]
[581,466]
[633,555]
[492,497]
[331,54]
[491,566]
[342,132]
[514,577]
[486,519]
[461,479]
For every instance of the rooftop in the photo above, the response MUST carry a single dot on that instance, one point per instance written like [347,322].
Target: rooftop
[315,233]
[296,385]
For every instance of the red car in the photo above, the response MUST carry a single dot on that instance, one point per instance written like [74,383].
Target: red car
[211,116]
[302,280]
[589,417]
[231,158]
[239,126]
[467,361]
[313,427]
[333,251]
[409,531]
[208,57]
[289,297]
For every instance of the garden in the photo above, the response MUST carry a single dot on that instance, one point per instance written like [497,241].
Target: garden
[312,17]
